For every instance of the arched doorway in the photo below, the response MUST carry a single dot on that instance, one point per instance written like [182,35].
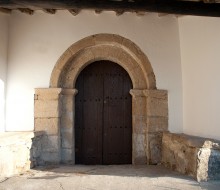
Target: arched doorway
[55,106]
[103,116]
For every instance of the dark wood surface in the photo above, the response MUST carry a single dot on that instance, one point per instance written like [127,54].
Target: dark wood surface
[103,128]
[181,7]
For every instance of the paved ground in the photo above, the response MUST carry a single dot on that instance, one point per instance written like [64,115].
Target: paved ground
[124,177]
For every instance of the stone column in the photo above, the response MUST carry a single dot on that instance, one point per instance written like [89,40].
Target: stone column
[47,113]
[157,122]
[67,126]
[139,127]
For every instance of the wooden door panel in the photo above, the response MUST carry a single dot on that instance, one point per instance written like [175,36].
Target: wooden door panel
[103,115]
[117,116]
[91,125]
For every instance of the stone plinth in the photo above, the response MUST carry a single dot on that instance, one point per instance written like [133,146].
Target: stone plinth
[194,156]
[156,121]
[47,114]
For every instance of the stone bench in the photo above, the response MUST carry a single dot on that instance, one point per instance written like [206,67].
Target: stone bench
[191,155]
[16,152]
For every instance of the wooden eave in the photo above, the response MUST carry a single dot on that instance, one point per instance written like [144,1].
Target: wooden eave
[178,7]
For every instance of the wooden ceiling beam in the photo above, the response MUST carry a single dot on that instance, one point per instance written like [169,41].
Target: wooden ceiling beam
[26,10]
[161,6]
[4,10]
[74,12]
[119,12]
[49,11]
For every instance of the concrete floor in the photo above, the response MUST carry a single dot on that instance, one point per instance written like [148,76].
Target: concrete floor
[121,177]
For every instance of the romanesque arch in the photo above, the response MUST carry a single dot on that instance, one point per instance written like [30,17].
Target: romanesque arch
[103,47]
[149,105]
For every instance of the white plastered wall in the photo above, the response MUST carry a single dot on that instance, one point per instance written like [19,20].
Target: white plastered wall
[36,42]
[200,54]
[3,66]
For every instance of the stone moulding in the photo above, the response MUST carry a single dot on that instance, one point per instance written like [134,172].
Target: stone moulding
[55,106]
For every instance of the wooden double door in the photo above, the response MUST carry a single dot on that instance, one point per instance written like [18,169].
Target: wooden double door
[103,118]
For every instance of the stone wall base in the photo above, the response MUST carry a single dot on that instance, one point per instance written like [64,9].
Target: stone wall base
[16,152]
[194,156]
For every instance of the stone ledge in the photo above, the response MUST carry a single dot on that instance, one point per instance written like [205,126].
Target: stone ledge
[16,138]
[16,152]
[195,156]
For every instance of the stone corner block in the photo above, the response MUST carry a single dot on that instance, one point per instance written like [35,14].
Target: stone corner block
[47,93]
[51,126]
[194,156]
[46,108]
[157,103]
[157,124]
[155,147]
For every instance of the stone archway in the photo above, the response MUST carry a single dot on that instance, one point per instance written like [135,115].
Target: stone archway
[55,109]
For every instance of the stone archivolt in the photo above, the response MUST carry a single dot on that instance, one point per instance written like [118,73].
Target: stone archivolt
[55,106]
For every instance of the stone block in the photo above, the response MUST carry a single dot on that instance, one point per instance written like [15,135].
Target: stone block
[194,156]
[67,156]
[67,120]
[50,143]
[46,108]
[50,158]
[157,102]
[155,148]
[139,149]
[157,124]
[67,138]
[178,156]
[139,106]
[67,102]
[157,107]
[139,124]
[47,93]
[50,125]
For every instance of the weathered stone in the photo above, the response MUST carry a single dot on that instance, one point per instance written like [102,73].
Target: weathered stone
[47,93]
[67,156]
[50,143]
[155,146]
[67,100]
[46,108]
[50,158]
[139,149]
[214,165]
[16,155]
[157,103]
[50,125]
[139,124]
[67,138]
[188,155]
[119,50]
[157,124]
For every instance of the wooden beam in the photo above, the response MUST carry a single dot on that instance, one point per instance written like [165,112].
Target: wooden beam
[27,11]
[74,12]
[139,13]
[162,6]
[4,10]
[49,11]
[98,11]
[119,12]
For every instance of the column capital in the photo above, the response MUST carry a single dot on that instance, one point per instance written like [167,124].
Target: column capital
[70,91]
[137,93]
